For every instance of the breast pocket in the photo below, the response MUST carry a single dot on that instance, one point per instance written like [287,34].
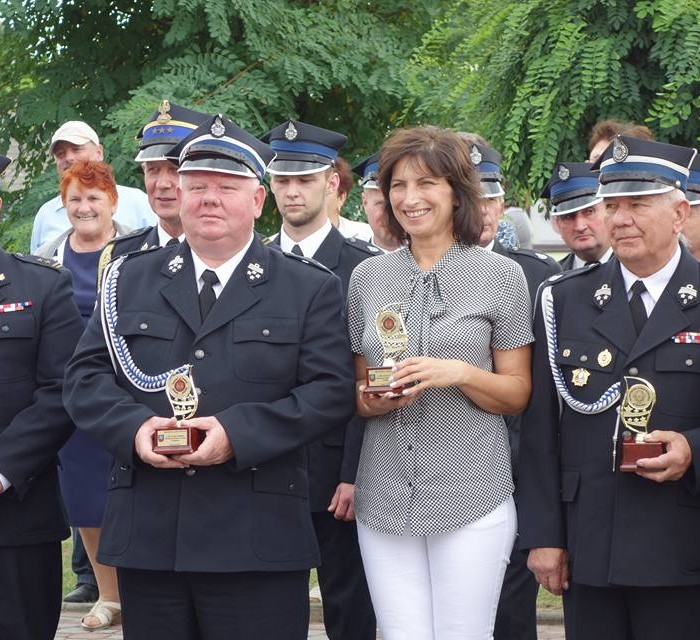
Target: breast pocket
[149,324]
[678,371]
[587,367]
[17,330]
[265,349]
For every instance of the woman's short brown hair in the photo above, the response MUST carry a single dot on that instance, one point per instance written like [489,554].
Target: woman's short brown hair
[90,173]
[444,154]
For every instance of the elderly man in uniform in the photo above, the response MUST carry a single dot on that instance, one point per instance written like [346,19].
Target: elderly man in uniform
[373,204]
[517,608]
[610,519]
[244,342]
[76,140]
[691,230]
[169,124]
[39,328]
[303,182]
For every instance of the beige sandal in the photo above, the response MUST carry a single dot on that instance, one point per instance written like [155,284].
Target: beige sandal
[108,614]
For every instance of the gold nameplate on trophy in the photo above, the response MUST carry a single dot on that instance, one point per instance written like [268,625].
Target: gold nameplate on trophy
[182,396]
[392,334]
[635,410]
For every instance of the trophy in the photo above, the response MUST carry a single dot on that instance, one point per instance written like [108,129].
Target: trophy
[183,399]
[392,334]
[635,409]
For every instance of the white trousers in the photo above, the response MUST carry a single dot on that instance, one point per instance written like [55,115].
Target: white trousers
[443,586]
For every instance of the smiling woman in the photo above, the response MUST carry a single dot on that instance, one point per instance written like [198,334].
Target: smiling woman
[436,519]
[89,193]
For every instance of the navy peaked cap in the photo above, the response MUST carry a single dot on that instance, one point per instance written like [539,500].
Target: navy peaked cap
[631,167]
[220,146]
[368,170]
[488,163]
[572,187]
[302,148]
[168,124]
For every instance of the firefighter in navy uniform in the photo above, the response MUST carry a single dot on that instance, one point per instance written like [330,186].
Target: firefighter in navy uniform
[621,546]
[39,328]
[517,607]
[302,180]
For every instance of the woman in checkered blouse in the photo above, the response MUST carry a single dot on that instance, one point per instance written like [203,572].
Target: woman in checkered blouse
[436,517]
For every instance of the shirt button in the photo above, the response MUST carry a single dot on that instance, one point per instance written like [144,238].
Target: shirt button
[5,328]
[266,332]
[410,447]
[410,484]
[143,326]
[689,362]
[199,354]
[633,371]
[189,472]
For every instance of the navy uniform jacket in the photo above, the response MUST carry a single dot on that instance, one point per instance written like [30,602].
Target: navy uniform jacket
[619,528]
[35,344]
[536,266]
[567,262]
[272,367]
[334,458]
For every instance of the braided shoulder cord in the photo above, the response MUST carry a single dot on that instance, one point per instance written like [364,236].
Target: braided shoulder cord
[116,344]
[607,400]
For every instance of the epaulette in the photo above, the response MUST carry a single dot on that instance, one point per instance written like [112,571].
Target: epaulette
[364,246]
[132,234]
[43,262]
[572,273]
[305,260]
[535,255]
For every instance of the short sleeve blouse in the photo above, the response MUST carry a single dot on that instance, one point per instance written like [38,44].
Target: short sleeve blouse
[441,462]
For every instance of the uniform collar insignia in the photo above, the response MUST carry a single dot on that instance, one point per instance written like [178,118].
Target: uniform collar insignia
[254,271]
[144,246]
[602,295]
[687,294]
[175,264]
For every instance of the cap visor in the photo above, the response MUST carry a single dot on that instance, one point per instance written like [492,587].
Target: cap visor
[632,188]
[575,204]
[295,167]
[154,152]
[491,189]
[217,165]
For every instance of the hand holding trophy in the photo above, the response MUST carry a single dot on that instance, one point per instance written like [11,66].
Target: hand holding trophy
[182,396]
[635,409]
[392,334]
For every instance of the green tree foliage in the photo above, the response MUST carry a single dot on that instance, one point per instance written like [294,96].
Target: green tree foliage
[533,76]
[338,64]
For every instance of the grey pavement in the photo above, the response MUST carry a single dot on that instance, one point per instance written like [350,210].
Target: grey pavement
[549,626]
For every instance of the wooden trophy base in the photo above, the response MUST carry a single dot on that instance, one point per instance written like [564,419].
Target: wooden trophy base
[168,442]
[378,381]
[633,451]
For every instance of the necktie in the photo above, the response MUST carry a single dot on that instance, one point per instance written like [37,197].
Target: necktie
[171,242]
[637,308]
[207,297]
[296,250]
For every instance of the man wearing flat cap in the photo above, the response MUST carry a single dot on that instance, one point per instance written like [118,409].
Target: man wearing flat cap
[39,328]
[609,463]
[303,181]
[241,343]
[77,140]
[578,214]
[168,125]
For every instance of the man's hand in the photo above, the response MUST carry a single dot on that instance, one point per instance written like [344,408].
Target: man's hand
[143,443]
[216,447]
[342,504]
[551,568]
[671,465]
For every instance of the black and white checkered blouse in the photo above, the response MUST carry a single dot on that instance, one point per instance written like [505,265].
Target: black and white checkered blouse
[441,462]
